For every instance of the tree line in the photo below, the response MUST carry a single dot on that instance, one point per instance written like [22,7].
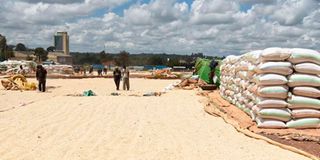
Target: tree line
[125,58]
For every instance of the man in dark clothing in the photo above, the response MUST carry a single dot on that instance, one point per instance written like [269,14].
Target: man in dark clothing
[99,72]
[41,75]
[117,77]
[213,66]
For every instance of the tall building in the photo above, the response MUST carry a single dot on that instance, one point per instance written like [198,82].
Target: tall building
[61,55]
[61,42]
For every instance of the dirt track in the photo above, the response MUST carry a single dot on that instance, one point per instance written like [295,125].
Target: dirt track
[173,126]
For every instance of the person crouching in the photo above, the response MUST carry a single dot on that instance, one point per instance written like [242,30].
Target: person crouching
[41,75]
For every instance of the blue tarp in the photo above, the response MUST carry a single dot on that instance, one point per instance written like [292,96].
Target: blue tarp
[98,66]
[151,67]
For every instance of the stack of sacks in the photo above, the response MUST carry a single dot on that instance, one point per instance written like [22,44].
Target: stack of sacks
[271,108]
[278,87]
[228,75]
[59,69]
[305,83]
[236,75]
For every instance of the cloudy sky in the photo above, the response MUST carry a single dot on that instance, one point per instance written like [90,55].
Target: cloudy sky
[214,27]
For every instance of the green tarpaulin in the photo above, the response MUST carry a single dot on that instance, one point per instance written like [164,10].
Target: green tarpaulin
[203,69]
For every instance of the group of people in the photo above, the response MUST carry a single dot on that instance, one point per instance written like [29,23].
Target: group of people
[41,75]
[121,74]
[83,70]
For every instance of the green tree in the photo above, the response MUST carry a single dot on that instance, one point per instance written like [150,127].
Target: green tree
[156,60]
[9,52]
[122,59]
[41,54]
[3,45]
[102,56]
[21,47]
[51,49]
[5,50]
[173,62]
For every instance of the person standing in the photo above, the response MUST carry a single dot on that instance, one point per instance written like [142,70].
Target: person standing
[212,74]
[21,70]
[99,72]
[104,70]
[125,74]
[41,75]
[117,77]
[91,70]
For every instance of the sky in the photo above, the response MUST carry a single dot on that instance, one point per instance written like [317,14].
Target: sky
[212,27]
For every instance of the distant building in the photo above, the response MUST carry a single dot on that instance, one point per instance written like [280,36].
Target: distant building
[61,42]
[60,58]
[182,61]
[62,53]
[179,68]
[23,55]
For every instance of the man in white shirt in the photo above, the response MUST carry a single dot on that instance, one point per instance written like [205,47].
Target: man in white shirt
[125,76]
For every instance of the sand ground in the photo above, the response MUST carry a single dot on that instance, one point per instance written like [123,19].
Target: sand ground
[50,126]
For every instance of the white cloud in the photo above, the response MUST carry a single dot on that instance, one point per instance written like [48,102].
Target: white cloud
[51,13]
[312,21]
[156,12]
[210,26]
[251,2]
[292,12]
[138,15]
[112,44]
[55,1]
[213,11]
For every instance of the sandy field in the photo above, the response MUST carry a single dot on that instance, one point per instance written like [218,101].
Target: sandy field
[51,125]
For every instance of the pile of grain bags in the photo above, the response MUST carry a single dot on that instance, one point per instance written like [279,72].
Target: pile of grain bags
[236,80]
[13,66]
[271,108]
[278,87]
[304,102]
[59,69]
